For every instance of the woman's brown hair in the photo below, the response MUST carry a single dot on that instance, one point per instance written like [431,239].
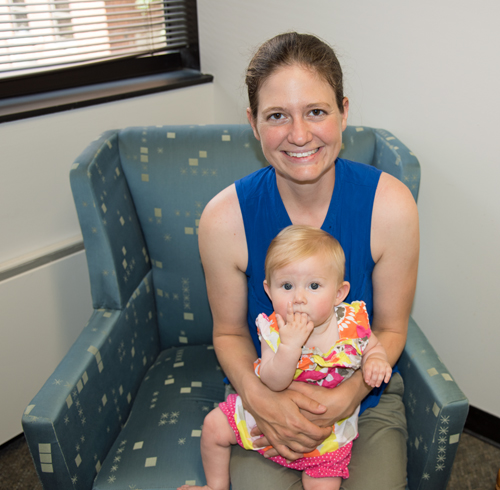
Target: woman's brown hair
[288,49]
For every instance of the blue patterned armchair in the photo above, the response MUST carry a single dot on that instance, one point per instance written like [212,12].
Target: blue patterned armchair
[125,407]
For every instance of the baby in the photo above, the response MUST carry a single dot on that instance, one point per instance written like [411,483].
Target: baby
[313,337]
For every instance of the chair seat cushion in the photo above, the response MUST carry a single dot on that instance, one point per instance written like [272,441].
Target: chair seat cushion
[159,446]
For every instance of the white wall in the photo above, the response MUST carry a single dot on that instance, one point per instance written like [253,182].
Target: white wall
[43,311]
[427,71]
[36,206]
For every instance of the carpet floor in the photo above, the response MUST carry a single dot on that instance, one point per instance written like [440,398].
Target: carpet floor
[475,468]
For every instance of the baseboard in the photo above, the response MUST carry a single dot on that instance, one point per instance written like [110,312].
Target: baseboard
[6,444]
[483,425]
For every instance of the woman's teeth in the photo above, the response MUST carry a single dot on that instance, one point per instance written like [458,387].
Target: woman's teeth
[301,155]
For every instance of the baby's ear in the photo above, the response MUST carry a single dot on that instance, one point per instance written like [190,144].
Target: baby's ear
[267,290]
[342,293]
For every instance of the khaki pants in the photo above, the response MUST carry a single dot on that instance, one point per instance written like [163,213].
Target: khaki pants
[378,456]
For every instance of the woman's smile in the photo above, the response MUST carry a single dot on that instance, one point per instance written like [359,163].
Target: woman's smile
[302,155]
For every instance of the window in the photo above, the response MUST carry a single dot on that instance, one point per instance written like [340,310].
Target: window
[64,20]
[20,15]
[54,45]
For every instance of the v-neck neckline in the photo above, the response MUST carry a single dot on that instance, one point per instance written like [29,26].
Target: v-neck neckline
[280,209]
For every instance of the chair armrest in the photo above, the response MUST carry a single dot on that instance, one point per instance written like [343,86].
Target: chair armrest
[436,410]
[395,158]
[75,418]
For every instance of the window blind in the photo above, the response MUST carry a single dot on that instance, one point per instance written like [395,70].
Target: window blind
[37,36]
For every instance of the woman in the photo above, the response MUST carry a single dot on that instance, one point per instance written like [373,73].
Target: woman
[298,112]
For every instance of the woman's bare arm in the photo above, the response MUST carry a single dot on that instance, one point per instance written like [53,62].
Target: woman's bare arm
[224,256]
[395,249]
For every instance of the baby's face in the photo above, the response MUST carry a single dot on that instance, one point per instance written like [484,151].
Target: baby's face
[311,285]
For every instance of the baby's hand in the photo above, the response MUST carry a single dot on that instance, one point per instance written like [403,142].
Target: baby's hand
[376,370]
[297,328]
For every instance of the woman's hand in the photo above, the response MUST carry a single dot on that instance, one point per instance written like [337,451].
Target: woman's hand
[280,417]
[290,433]
[341,401]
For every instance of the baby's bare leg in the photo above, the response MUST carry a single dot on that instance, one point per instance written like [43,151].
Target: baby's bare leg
[216,440]
[329,483]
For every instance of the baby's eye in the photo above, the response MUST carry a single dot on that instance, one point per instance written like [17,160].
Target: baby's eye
[287,286]
[314,285]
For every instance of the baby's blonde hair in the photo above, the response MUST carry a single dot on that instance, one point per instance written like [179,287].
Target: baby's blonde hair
[299,242]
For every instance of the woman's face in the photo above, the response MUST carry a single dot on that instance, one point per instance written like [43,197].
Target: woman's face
[299,124]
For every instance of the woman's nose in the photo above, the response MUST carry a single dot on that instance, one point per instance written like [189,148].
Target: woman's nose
[300,133]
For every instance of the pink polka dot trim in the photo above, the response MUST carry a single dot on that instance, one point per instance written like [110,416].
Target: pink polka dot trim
[334,464]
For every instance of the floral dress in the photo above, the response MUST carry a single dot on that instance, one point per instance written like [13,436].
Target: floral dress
[331,457]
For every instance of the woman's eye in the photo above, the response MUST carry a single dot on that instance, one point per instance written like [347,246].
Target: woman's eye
[314,285]
[287,286]
[317,112]
[276,116]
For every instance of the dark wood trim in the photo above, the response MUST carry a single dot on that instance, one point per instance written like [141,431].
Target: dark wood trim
[63,100]
[483,425]
[6,444]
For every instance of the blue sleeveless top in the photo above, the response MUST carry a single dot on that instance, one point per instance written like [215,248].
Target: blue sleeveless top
[348,220]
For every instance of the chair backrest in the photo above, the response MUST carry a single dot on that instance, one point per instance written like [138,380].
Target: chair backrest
[172,174]
[149,187]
